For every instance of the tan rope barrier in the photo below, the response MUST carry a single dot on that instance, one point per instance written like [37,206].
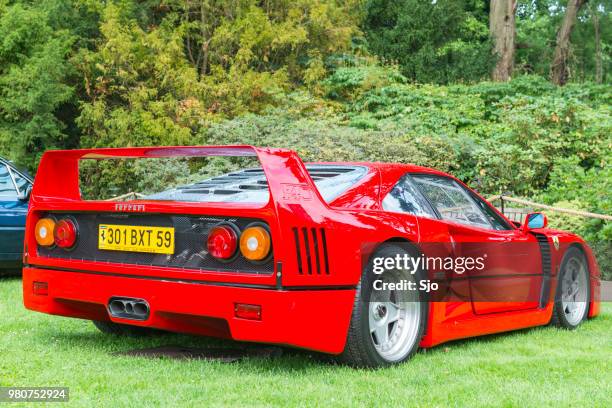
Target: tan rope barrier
[551,208]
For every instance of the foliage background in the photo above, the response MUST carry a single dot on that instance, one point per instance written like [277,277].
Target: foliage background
[396,80]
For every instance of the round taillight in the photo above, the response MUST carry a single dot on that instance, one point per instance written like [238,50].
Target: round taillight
[44,230]
[255,243]
[65,234]
[222,242]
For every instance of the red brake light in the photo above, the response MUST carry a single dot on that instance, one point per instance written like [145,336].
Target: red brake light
[222,242]
[65,234]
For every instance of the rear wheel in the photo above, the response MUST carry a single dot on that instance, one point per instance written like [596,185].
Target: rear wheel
[123,329]
[572,295]
[387,324]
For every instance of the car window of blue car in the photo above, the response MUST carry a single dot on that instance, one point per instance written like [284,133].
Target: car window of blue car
[7,188]
[21,182]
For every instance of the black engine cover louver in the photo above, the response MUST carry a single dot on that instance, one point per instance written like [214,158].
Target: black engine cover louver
[191,233]
[311,251]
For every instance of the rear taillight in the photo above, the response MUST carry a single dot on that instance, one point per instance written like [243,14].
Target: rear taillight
[222,242]
[44,231]
[65,233]
[255,243]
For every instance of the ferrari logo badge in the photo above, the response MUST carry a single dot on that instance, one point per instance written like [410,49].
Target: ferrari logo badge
[555,240]
[296,192]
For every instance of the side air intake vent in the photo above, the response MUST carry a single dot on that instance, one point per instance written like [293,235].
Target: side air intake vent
[311,251]
[546,267]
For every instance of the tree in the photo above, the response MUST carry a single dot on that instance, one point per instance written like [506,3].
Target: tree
[432,41]
[503,31]
[35,92]
[559,72]
[159,71]
[598,58]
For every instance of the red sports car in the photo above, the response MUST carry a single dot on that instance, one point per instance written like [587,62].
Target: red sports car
[367,261]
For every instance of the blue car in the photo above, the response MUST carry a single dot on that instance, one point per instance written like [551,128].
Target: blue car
[15,187]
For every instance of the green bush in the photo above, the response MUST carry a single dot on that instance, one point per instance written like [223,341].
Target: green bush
[524,138]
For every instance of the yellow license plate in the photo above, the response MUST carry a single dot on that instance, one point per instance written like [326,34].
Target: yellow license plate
[156,240]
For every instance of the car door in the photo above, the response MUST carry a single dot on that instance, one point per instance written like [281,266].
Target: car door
[511,274]
[13,212]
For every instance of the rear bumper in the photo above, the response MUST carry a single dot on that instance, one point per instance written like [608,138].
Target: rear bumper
[311,319]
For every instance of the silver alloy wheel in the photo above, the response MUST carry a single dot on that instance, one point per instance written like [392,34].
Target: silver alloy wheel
[574,291]
[394,318]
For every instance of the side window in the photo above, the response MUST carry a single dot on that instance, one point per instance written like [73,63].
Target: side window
[451,200]
[496,221]
[21,182]
[404,198]
[7,188]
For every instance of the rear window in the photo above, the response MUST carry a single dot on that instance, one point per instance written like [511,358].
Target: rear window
[225,179]
[250,185]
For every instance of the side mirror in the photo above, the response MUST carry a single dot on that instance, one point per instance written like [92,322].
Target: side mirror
[534,221]
[25,196]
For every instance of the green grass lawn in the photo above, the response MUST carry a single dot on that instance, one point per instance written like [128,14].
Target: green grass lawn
[536,367]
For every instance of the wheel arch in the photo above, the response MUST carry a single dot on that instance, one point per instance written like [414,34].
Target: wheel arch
[580,247]
[411,244]
[561,259]
[594,278]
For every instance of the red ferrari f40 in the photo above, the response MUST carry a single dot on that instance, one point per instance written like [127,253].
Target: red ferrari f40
[366,261]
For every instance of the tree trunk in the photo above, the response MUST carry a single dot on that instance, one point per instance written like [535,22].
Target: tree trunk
[205,40]
[559,73]
[598,64]
[503,31]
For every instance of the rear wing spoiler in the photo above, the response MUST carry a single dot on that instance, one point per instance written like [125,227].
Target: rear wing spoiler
[57,179]
[295,206]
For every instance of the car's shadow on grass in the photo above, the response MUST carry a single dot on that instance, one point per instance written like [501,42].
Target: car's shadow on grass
[285,358]
[256,355]
[10,274]
[263,356]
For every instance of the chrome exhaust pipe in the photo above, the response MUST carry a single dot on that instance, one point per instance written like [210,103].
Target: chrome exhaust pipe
[128,308]
[116,307]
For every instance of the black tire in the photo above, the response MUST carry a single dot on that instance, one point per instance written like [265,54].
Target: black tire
[360,350]
[117,329]
[559,316]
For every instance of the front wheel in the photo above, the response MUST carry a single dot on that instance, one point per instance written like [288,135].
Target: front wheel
[572,295]
[386,324]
